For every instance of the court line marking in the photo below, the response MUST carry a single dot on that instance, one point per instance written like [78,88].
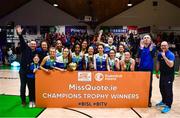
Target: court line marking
[41,112]
[79,112]
[136,113]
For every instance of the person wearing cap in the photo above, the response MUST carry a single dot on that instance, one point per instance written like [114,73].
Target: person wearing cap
[145,54]
[165,64]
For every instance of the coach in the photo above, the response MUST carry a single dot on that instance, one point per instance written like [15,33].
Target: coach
[166,66]
[28,52]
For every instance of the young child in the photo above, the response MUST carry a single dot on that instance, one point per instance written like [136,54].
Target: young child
[33,67]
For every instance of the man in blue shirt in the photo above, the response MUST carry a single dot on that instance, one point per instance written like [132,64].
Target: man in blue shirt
[166,66]
[146,53]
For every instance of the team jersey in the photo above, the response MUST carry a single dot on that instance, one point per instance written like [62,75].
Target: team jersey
[61,62]
[50,63]
[31,68]
[128,65]
[100,63]
[78,59]
[107,48]
[111,63]
[58,53]
[120,56]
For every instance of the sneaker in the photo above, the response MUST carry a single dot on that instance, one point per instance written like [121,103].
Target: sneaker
[30,104]
[165,109]
[160,104]
[33,104]
[23,104]
[149,104]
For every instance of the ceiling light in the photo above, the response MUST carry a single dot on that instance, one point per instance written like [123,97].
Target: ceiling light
[55,5]
[129,4]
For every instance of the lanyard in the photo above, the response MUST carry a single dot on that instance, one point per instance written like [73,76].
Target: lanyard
[77,59]
[52,62]
[64,62]
[112,63]
[100,59]
[35,66]
[128,66]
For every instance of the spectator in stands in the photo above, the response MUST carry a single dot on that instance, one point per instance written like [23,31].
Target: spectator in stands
[11,56]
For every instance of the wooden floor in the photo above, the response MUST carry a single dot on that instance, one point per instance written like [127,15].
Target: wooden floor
[10,84]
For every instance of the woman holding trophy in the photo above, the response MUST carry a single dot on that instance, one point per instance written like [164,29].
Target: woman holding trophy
[77,57]
[89,63]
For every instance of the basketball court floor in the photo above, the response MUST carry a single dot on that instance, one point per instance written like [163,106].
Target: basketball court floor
[10,83]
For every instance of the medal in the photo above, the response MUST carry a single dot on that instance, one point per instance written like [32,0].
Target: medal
[112,64]
[52,63]
[77,59]
[101,62]
[64,62]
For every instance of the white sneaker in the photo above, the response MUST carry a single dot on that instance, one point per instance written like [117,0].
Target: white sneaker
[30,104]
[33,104]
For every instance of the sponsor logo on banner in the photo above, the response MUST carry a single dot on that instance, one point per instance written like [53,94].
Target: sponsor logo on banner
[99,77]
[113,76]
[84,76]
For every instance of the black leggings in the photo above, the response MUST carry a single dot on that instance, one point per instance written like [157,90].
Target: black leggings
[31,86]
[23,82]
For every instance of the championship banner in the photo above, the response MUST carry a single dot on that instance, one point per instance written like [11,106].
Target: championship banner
[92,89]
